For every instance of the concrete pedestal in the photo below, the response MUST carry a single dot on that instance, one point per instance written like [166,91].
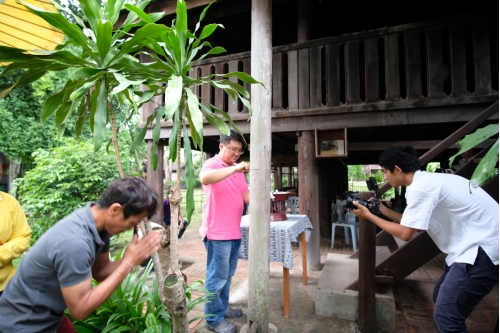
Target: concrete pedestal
[333,300]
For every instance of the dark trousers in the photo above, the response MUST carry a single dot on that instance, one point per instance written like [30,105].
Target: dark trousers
[182,227]
[460,288]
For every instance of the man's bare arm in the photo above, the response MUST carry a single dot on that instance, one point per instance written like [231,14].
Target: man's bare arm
[103,267]
[81,299]
[394,228]
[216,175]
[391,213]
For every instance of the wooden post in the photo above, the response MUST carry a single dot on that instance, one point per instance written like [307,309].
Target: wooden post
[286,292]
[304,257]
[303,20]
[155,179]
[366,292]
[260,168]
[290,176]
[278,176]
[309,195]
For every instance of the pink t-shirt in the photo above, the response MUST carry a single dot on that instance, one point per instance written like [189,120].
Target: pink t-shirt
[224,204]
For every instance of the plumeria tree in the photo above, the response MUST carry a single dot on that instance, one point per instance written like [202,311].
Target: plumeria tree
[108,70]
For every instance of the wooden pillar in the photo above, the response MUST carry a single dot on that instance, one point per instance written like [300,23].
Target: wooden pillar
[155,179]
[304,20]
[260,168]
[366,292]
[209,156]
[278,176]
[309,195]
[290,176]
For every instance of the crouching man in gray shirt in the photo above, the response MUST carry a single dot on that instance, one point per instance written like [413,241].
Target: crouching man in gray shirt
[57,272]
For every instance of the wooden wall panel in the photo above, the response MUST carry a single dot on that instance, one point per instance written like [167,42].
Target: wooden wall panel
[293,80]
[413,66]
[392,68]
[435,61]
[277,81]
[482,58]
[352,73]
[371,72]
[458,67]
[247,69]
[205,89]
[315,77]
[303,79]
[232,107]
[219,93]
[332,75]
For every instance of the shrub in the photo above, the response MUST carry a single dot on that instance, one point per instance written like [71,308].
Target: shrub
[63,179]
[134,307]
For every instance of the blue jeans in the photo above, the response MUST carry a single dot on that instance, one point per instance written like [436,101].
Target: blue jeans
[222,258]
[460,288]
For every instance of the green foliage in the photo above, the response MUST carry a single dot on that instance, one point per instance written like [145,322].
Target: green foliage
[355,172]
[63,179]
[21,132]
[432,166]
[487,167]
[108,69]
[135,307]
[174,53]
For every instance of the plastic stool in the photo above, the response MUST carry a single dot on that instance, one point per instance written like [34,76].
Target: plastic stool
[347,225]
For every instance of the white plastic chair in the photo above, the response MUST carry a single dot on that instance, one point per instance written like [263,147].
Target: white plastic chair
[293,204]
[350,224]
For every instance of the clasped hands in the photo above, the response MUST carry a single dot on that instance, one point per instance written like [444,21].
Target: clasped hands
[139,250]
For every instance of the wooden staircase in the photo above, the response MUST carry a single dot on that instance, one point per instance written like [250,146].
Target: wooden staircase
[394,261]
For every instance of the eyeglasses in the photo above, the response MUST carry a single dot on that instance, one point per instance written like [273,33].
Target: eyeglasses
[235,150]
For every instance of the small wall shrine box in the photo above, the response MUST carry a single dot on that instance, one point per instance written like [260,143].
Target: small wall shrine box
[331,143]
[278,206]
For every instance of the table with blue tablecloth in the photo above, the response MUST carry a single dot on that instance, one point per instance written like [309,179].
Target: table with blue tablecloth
[282,234]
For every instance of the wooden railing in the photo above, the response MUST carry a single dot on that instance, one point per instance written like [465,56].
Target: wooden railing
[442,62]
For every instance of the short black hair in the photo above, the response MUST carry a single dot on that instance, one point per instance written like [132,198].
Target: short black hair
[233,136]
[404,157]
[4,162]
[133,194]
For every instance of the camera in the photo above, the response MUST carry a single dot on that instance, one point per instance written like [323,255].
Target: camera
[372,205]
[441,170]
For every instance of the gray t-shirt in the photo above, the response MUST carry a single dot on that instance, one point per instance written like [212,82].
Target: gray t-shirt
[62,257]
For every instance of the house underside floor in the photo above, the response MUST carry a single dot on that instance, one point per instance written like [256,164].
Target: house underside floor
[413,297]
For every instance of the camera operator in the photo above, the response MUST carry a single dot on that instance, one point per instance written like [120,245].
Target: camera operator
[460,219]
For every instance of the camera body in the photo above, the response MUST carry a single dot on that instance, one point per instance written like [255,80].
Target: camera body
[372,205]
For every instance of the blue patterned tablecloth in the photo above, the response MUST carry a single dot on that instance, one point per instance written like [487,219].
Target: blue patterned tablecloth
[282,234]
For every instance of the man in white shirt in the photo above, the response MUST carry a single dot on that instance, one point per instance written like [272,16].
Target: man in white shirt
[462,221]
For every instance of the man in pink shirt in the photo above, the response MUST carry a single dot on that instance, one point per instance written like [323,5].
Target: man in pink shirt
[225,190]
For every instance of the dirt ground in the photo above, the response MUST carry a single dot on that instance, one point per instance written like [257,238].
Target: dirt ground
[302,317]
[413,297]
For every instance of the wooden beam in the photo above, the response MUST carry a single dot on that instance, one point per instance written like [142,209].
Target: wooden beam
[169,6]
[291,121]
[460,133]
[367,146]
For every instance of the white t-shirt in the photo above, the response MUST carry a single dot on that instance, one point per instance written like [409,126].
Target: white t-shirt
[458,217]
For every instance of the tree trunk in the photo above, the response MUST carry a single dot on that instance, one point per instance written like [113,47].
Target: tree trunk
[173,287]
[115,141]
